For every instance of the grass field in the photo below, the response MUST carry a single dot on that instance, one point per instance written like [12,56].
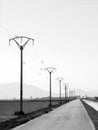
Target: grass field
[32,109]
[8,108]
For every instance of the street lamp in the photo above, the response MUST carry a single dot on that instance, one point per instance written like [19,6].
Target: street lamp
[60,81]
[50,70]
[74,92]
[65,87]
[25,40]
[69,93]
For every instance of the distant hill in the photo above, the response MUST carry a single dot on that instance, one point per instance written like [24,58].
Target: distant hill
[12,90]
[93,93]
[80,92]
[88,93]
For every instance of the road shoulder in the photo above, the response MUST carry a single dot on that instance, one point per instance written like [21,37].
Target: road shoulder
[92,113]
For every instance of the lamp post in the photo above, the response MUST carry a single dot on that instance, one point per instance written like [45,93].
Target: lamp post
[74,92]
[60,81]
[69,93]
[21,47]
[65,87]
[50,70]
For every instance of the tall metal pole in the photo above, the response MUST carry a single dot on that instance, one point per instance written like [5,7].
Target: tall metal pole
[50,70]
[74,92]
[21,80]
[69,93]
[21,47]
[60,90]
[60,81]
[50,89]
[65,91]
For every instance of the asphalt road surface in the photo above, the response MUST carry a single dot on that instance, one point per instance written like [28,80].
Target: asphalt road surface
[71,116]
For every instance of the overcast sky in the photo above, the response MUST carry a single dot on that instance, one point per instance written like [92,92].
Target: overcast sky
[66,37]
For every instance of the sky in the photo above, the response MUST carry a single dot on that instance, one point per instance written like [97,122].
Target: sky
[65,34]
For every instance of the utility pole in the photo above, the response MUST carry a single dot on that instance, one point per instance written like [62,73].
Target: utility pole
[23,40]
[60,81]
[74,92]
[69,93]
[65,90]
[50,70]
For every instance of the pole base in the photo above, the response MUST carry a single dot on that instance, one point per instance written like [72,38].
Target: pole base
[19,113]
[60,102]
[50,105]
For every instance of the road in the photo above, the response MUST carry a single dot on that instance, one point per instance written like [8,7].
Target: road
[71,116]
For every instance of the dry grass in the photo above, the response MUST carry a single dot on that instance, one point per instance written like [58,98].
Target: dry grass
[8,108]
[32,110]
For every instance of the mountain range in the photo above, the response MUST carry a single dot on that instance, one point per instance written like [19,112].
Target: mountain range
[90,93]
[12,90]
